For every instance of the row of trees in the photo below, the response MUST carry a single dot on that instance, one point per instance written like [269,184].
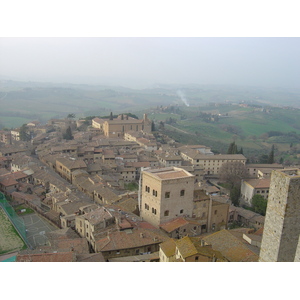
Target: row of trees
[233,149]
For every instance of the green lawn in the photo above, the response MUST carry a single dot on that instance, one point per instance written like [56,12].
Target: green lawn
[9,239]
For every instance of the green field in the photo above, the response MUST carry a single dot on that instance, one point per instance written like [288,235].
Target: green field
[9,239]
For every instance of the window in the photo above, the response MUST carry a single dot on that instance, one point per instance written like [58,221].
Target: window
[167,194]
[166,213]
[216,212]
[196,258]
[181,211]
[182,193]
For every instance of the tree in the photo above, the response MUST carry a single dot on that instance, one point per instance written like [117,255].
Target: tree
[271,156]
[235,193]
[71,116]
[24,133]
[233,172]
[161,125]
[259,204]
[152,126]
[68,135]
[232,149]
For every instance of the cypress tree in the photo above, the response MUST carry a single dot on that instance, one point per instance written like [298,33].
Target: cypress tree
[271,156]
[68,135]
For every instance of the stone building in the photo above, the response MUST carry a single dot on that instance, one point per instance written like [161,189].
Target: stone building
[123,123]
[211,163]
[280,240]
[251,187]
[166,194]
[66,165]
[188,249]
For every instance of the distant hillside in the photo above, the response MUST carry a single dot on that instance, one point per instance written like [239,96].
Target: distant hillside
[22,102]
[254,127]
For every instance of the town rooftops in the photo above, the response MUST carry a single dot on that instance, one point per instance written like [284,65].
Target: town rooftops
[259,183]
[293,172]
[230,246]
[132,238]
[12,178]
[189,246]
[169,173]
[168,247]
[72,163]
[97,215]
[47,257]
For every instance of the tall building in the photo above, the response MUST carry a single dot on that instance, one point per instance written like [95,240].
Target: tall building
[167,193]
[280,240]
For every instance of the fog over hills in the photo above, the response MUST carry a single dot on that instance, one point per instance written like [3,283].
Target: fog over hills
[47,77]
[143,62]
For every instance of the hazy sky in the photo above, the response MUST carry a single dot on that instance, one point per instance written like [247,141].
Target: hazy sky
[136,62]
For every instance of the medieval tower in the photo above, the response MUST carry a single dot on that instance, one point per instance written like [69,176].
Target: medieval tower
[167,193]
[280,240]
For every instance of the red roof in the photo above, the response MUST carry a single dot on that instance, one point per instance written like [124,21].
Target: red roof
[47,257]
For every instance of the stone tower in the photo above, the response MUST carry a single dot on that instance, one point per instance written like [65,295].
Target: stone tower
[167,193]
[282,222]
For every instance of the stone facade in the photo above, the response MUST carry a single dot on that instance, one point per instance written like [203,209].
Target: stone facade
[252,187]
[281,229]
[118,126]
[166,194]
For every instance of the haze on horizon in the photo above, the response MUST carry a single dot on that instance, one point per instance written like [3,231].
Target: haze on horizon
[139,62]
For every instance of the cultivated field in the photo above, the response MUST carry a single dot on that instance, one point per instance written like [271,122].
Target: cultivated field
[9,239]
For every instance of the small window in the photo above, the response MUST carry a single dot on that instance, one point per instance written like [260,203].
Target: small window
[167,194]
[181,211]
[182,193]
[166,213]
[196,258]
[216,212]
